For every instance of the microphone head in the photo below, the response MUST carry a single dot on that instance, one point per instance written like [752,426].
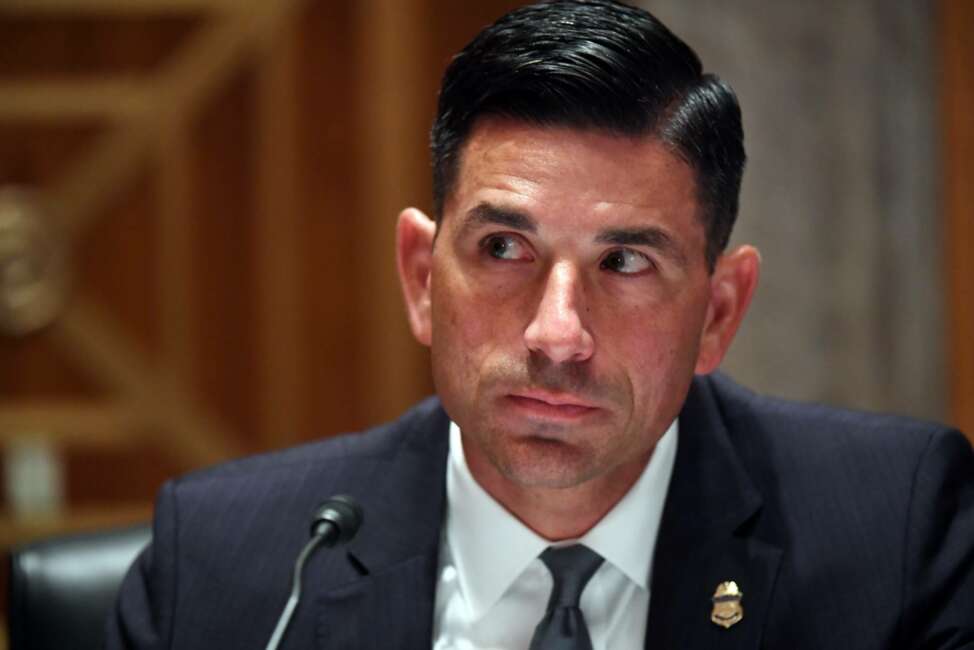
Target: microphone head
[338,519]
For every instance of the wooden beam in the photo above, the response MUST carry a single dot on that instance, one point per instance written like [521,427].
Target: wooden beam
[33,101]
[957,24]
[68,423]
[198,69]
[195,72]
[194,436]
[108,165]
[284,375]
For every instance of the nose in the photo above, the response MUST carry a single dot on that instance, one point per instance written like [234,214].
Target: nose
[558,329]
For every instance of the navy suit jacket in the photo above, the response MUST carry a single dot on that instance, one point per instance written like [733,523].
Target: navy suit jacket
[842,530]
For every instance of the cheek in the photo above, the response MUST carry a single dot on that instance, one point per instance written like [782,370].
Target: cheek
[657,358]
[456,321]
[464,332]
[467,339]
[657,344]
[473,313]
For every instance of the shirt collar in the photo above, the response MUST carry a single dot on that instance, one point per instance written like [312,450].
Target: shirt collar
[491,548]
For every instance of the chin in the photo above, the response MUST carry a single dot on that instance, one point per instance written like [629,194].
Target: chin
[539,463]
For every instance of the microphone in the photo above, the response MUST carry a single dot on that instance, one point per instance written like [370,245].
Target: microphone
[334,522]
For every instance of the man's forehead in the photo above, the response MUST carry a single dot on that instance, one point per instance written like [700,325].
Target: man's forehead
[500,143]
[598,170]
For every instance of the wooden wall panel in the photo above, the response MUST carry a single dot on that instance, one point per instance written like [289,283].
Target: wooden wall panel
[223,218]
[37,154]
[390,177]
[333,254]
[957,25]
[33,368]
[280,283]
[122,476]
[52,45]
[455,23]
[115,262]
[114,451]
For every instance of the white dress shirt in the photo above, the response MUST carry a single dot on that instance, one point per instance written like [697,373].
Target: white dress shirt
[492,589]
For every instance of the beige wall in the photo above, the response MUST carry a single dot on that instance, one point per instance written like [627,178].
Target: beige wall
[842,195]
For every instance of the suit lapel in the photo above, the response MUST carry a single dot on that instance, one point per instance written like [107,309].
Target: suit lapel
[392,608]
[386,581]
[704,539]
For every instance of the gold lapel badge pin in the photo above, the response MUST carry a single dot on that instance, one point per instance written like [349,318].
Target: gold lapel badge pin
[727,604]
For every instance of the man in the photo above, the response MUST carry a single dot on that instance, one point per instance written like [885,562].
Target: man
[581,480]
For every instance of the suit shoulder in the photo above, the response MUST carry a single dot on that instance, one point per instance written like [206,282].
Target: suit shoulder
[792,443]
[818,425]
[837,476]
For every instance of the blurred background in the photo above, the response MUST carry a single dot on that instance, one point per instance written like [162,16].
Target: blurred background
[197,200]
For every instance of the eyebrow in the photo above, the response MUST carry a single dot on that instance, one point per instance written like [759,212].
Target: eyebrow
[485,214]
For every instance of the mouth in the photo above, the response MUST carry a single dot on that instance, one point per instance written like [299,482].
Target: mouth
[551,406]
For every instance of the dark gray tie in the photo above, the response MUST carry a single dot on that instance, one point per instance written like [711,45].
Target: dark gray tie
[563,626]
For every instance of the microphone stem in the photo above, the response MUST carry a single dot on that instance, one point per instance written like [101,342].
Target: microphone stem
[292,601]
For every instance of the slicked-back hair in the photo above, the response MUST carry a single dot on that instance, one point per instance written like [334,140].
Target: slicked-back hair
[596,64]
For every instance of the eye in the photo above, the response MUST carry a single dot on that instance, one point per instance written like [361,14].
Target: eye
[625,260]
[505,247]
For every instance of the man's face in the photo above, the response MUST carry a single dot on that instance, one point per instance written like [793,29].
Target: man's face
[568,293]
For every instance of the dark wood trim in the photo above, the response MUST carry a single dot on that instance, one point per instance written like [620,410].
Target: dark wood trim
[957,51]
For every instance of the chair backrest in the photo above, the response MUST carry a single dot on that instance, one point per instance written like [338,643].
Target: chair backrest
[61,589]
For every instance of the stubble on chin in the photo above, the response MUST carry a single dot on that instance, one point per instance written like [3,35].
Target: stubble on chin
[536,462]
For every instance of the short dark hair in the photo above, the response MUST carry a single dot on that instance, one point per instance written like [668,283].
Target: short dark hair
[596,64]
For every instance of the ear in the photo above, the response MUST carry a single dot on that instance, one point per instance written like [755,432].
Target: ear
[414,258]
[732,286]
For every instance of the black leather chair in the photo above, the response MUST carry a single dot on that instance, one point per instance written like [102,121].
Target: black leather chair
[61,589]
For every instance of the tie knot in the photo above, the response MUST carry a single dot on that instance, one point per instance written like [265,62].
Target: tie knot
[571,568]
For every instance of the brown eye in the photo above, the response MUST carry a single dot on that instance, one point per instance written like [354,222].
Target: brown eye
[626,261]
[504,247]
